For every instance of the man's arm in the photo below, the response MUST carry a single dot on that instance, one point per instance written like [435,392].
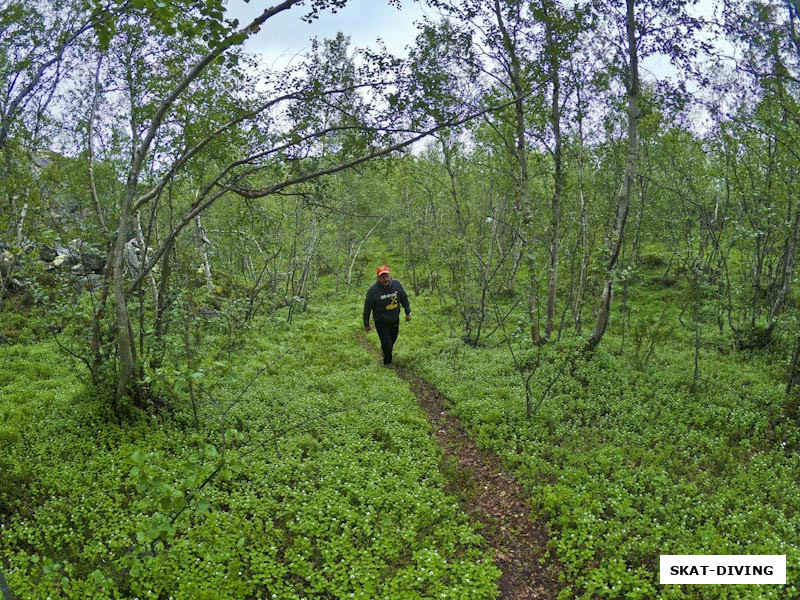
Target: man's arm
[404,301]
[367,309]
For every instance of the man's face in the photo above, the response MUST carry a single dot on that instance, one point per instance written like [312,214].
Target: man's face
[384,279]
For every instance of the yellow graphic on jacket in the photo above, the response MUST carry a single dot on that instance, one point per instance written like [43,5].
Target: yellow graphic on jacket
[392,303]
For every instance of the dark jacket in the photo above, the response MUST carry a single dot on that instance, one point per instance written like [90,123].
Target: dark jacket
[384,303]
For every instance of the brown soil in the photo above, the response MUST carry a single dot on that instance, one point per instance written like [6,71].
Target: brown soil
[492,497]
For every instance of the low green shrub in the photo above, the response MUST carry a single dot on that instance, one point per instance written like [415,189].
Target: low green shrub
[320,479]
[625,464]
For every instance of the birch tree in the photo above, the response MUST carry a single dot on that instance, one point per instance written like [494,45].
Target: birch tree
[644,29]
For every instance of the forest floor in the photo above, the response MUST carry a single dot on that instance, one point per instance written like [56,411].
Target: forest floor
[491,496]
[344,478]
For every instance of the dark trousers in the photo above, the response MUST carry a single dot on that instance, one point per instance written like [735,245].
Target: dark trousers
[388,335]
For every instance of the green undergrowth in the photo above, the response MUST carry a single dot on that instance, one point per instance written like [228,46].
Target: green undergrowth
[330,486]
[626,462]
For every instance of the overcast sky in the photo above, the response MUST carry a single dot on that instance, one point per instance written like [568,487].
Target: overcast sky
[285,35]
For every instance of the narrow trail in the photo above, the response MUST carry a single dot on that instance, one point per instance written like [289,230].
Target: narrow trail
[492,497]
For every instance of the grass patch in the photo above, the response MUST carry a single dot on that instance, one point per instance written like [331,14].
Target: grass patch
[625,463]
[347,502]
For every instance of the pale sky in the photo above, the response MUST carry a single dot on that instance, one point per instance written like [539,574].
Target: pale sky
[285,35]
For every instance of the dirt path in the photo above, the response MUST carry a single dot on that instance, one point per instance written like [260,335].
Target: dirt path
[492,497]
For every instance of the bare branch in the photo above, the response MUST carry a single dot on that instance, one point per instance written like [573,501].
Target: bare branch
[194,72]
[16,104]
[199,205]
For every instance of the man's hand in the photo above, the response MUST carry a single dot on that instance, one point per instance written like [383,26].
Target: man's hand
[408,317]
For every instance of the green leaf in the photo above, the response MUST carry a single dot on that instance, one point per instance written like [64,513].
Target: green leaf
[210,451]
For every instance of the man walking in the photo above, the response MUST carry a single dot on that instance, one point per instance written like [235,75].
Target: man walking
[384,298]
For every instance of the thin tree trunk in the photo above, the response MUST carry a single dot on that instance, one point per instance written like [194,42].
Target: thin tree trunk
[20,223]
[792,242]
[580,288]
[626,315]
[90,134]
[202,243]
[163,296]
[355,255]
[99,315]
[143,245]
[623,198]
[571,295]
[522,200]
[126,348]
[410,246]
[558,181]
[637,232]
[187,347]
[12,263]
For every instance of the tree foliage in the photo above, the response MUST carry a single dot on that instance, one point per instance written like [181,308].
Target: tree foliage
[181,174]
[526,169]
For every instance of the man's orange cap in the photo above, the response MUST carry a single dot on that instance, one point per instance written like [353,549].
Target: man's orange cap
[382,269]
